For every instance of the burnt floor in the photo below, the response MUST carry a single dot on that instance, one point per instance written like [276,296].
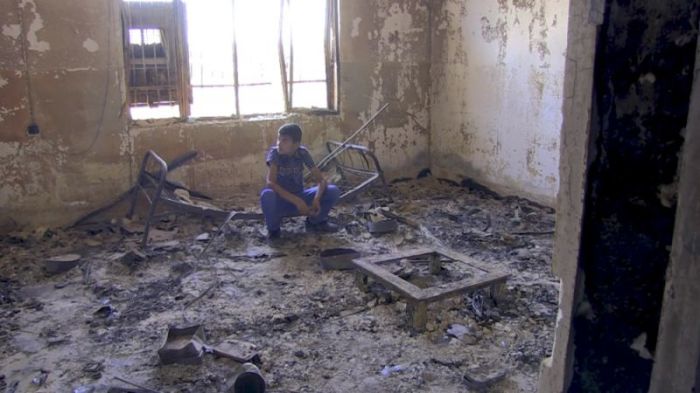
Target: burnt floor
[316,331]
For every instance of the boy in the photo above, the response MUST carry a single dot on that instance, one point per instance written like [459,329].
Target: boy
[285,195]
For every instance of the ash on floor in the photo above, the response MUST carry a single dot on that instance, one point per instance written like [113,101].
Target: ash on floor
[316,331]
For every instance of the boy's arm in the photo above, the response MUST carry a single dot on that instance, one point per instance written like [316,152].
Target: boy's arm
[272,183]
[316,203]
[317,177]
[322,183]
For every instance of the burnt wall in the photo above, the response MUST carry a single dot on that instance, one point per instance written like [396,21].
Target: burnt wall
[643,76]
[61,67]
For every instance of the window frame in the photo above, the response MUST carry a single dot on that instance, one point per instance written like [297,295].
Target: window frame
[182,65]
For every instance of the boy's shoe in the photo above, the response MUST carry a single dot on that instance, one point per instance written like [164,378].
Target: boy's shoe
[273,235]
[325,226]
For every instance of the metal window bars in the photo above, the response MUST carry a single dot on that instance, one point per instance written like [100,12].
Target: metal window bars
[169,60]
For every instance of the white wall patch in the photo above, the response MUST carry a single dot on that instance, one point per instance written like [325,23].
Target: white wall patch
[12,31]
[90,45]
[355,27]
[36,25]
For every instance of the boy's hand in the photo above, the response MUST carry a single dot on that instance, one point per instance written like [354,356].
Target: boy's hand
[303,209]
[315,207]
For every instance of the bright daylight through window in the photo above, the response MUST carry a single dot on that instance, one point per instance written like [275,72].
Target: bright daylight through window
[229,58]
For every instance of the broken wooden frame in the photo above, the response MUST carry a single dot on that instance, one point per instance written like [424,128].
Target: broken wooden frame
[419,298]
[171,20]
[358,168]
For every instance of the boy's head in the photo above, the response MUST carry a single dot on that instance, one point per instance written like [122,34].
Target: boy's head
[288,138]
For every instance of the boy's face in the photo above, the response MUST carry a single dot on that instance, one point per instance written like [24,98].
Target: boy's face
[286,145]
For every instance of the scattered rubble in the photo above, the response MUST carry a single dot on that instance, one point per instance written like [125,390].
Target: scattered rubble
[311,329]
[61,263]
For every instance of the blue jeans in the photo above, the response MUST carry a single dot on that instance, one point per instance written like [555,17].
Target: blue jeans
[275,207]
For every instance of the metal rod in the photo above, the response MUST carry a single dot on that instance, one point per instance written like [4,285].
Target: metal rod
[136,385]
[336,63]
[328,54]
[291,59]
[183,59]
[218,233]
[343,145]
[236,84]
[280,53]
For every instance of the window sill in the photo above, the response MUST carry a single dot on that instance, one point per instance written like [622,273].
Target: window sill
[248,118]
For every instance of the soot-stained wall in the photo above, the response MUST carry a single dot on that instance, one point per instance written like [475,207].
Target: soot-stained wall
[643,76]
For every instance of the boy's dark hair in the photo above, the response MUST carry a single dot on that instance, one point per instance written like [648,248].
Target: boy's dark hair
[291,130]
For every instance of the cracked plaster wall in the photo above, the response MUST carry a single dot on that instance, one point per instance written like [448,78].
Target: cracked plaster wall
[74,61]
[497,93]
[44,55]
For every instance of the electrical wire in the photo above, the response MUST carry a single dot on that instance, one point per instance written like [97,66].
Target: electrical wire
[100,124]
[30,96]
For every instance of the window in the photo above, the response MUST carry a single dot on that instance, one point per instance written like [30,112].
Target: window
[230,58]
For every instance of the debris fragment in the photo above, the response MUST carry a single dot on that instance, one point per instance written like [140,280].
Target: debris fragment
[240,351]
[105,311]
[183,345]
[388,370]
[206,291]
[130,227]
[457,331]
[61,263]
[482,385]
[639,345]
[338,258]
[157,235]
[131,258]
[93,243]
[171,245]
[143,389]
[382,226]
[94,369]
[247,379]
[52,341]
[41,378]
[389,214]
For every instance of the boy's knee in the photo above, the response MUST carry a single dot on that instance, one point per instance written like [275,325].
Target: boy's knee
[333,192]
[267,196]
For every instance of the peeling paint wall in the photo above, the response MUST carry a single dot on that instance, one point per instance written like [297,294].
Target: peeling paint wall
[497,86]
[87,153]
[384,58]
[74,94]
